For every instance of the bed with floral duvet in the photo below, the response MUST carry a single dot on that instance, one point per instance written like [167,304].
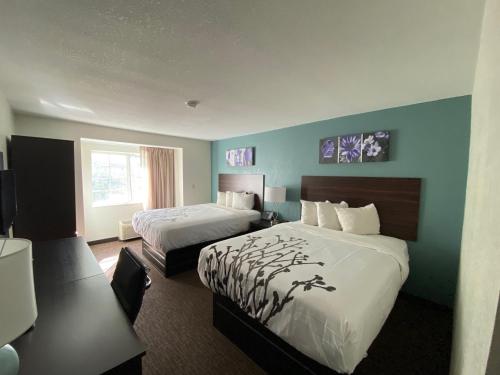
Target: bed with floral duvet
[326,293]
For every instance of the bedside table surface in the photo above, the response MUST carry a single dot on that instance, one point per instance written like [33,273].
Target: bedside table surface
[260,223]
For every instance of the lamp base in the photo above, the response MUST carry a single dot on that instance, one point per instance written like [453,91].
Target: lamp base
[9,361]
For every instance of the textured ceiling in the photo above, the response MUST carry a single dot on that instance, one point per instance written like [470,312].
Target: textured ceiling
[254,65]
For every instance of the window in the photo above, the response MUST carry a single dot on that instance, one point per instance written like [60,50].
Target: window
[116,178]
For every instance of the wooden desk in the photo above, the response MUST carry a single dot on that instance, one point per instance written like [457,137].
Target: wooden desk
[81,327]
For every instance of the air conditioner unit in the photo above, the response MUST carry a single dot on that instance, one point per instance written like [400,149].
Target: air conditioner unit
[126,231]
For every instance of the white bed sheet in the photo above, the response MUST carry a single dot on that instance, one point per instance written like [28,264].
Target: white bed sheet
[335,328]
[173,228]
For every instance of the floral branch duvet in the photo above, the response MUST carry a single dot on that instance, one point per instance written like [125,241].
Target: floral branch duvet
[325,292]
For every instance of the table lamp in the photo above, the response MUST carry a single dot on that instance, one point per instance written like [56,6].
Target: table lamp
[275,195]
[18,309]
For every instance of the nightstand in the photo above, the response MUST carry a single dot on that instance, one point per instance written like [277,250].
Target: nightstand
[259,225]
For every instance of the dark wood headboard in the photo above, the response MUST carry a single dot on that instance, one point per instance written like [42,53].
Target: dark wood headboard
[397,199]
[249,183]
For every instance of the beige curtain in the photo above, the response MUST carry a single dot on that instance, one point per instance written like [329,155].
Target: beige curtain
[159,165]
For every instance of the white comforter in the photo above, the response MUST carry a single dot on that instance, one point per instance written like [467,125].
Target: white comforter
[325,292]
[173,228]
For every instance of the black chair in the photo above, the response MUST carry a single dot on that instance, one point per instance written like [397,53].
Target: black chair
[130,281]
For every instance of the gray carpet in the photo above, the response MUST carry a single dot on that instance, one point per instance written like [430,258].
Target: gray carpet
[175,324]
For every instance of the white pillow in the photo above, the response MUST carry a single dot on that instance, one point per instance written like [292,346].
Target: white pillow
[327,216]
[362,220]
[309,214]
[221,198]
[229,199]
[243,201]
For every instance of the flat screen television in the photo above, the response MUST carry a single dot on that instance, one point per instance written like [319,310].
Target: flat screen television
[8,203]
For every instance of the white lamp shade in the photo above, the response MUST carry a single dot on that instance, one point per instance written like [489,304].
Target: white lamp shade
[17,290]
[275,194]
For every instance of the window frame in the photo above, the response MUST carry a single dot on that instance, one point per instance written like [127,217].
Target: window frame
[130,201]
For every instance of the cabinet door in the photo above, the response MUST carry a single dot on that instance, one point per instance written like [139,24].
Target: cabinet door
[45,187]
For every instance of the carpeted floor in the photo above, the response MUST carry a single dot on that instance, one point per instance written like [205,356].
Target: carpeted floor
[175,324]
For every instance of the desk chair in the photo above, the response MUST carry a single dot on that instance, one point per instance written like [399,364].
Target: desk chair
[130,281]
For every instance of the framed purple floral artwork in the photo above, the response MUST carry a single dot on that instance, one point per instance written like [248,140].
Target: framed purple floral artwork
[376,146]
[350,148]
[355,148]
[328,150]
[240,157]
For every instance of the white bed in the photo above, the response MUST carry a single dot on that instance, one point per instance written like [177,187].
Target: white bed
[327,293]
[174,228]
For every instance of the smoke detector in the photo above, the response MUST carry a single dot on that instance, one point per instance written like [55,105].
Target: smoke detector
[192,103]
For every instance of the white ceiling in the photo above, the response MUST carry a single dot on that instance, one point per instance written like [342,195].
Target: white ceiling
[254,65]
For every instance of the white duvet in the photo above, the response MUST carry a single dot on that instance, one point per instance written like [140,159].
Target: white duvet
[325,292]
[174,228]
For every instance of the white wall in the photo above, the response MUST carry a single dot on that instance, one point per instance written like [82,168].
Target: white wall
[479,276]
[195,153]
[6,130]
[6,125]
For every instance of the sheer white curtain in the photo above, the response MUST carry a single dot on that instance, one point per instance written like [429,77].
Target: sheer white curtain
[159,167]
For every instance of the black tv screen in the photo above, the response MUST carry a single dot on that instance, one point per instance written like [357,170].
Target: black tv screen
[8,204]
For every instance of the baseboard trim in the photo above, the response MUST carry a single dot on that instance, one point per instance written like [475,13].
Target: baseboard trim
[104,240]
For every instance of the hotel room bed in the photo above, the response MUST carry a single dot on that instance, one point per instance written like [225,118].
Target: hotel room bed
[173,228]
[173,237]
[327,293]
[304,299]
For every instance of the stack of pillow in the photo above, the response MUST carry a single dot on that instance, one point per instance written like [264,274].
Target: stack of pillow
[239,201]
[338,216]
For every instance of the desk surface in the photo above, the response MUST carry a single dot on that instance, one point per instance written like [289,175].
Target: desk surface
[61,261]
[81,327]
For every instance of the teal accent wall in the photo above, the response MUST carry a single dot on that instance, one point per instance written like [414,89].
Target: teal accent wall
[428,140]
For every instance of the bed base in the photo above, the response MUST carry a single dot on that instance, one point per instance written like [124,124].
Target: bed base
[174,261]
[268,350]
[177,260]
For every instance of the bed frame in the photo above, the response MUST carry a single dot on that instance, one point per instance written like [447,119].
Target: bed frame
[186,258]
[268,350]
[397,201]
